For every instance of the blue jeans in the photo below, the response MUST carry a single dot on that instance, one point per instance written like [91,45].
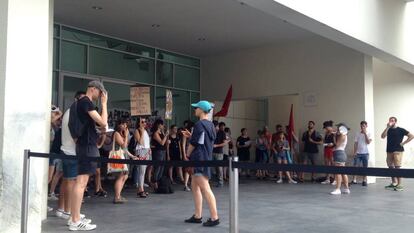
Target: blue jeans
[361,159]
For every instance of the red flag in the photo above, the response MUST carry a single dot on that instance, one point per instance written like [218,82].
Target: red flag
[291,126]
[226,104]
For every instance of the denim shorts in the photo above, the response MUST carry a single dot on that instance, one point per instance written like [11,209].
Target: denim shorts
[87,167]
[339,156]
[281,155]
[70,169]
[57,163]
[361,159]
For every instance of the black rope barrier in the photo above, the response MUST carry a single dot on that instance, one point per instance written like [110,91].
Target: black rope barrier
[360,171]
[371,171]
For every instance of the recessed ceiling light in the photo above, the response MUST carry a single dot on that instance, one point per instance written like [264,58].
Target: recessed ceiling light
[97,8]
[155,25]
[201,39]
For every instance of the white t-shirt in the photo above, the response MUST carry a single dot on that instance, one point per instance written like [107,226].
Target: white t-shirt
[362,144]
[68,144]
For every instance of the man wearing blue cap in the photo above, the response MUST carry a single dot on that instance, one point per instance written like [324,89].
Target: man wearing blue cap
[201,149]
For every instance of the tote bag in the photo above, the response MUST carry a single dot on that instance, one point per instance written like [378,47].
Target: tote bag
[116,154]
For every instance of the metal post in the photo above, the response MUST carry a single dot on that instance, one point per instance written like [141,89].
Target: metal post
[25,191]
[234,196]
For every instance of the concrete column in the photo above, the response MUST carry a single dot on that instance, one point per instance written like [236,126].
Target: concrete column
[26,31]
[369,109]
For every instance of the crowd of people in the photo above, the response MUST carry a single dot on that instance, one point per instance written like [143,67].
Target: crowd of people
[82,131]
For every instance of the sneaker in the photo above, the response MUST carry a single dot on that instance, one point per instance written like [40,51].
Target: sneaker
[65,216]
[398,188]
[327,181]
[59,213]
[334,182]
[49,209]
[391,186]
[146,185]
[193,219]
[211,223]
[336,192]
[187,189]
[354,182]
[346,191]
[82,218]
[279,181]
[364,183]
[52,197]
[292,182]
[81,226]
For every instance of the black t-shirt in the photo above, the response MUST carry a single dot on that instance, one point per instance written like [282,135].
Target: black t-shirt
[221,136]
[394,138]
[309,146]
[242,141]
[329,138]
[89,135]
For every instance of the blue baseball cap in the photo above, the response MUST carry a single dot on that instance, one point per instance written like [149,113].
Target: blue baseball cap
[203,105]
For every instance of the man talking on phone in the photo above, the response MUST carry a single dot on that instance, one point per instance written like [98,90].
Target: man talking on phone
[395,149]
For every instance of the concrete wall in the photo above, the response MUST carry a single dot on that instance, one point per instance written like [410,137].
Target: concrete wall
[332,73]
[393,96]
[380,28]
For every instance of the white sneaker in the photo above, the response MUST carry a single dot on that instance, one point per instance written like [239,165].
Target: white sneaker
[49,209]
[336,192]
[62,214]
[52,197]
[146,185]
[292,182]
[333,183]
[346,191]
[279,181]
[326,182]
[81,226]
[83,220]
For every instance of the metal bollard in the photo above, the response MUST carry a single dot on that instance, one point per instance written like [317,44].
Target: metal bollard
[25,192]
[234,196]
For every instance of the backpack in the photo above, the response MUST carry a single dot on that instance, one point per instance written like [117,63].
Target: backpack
[164,186]
[76,127]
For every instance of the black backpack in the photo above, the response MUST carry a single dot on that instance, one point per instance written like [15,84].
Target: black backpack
[164,186]
[76,127]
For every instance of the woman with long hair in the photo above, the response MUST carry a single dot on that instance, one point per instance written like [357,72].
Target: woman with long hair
[143,152]
[188,126]
[120,137]
[158,143]
[174,153]
[339,158]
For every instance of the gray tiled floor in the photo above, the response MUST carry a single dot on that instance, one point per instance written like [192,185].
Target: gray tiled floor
[265,207]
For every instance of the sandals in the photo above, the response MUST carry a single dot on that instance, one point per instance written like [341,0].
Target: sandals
[142,195]
[193,219]
[121,200]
